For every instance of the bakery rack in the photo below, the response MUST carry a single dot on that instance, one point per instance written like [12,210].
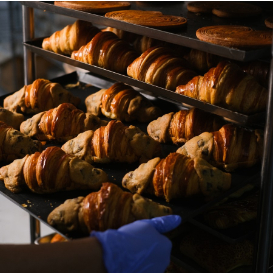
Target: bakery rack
[187,38]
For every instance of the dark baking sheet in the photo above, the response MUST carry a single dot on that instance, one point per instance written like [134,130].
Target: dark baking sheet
[185,36]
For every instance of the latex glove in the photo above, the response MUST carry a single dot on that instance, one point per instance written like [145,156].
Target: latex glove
[138,247]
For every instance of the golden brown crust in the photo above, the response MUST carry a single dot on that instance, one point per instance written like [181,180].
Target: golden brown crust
[12,119]
[58,238]
[39,96]
[269,22]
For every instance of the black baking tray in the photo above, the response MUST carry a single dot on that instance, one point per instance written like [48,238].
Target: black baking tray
[247,120]
[186,36]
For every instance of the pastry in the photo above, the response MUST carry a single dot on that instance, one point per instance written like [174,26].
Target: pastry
[121,102]
[12,119]
[269,22]
[51,171]
[57,238]
[61,123]
[113,142]
[39,96]
[230,148]
[109,208]
[122,34]
[177,176]
[183,125]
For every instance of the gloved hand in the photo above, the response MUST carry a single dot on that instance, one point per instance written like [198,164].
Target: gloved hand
[138,247]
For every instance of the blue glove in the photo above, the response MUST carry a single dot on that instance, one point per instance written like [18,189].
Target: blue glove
[138,247]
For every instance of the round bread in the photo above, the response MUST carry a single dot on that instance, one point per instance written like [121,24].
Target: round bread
[153,19]
[203,6]
[269,22]
[235,36]
[94,6]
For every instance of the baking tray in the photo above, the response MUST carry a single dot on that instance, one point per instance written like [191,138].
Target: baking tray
[185,37]
[247,120]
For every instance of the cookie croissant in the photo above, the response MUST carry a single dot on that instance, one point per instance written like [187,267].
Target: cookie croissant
[110,207]
[51,171]
[121,102]
[113,142]
[39,96]
[177,176]
[61,123]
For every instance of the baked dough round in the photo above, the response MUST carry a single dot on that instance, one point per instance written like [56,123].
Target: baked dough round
[269,22]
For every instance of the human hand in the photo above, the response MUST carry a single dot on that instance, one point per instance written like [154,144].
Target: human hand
[138,247]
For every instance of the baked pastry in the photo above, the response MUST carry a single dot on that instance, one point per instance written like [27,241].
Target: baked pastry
[110,207]
[61,123]
[39,96]
[121,102]
[70,38]
[177,176]
[154,19]
[183,125]
[106,50]
[230,148]
[129,37]
[12,119]
[14,144]
[94,6]
[214,254]
[114,142]
[57,238]
[51,171]
[226,85]
[233,213]
[159,66]
[269,22]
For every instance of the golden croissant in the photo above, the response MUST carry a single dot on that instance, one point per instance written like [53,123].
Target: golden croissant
[122,34]
[70,38]
[12,119]
[39,96]
[51,171]
[110,207]
[177,176]
[61,123]
[183,125]
[114,142]
[106,50]
[227,85]
[229,148]
[121,102]
[159,66]
[14,144]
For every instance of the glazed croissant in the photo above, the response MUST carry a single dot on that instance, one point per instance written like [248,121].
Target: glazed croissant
[106,50]
[110,207]
[70,38]
[121,102]
[226,85]
[114,142]
[51,171]
[61,123]
[230,148]
[129,37]
[159,66]
[14,144]
[11,118]
[177,176]
[39,96]
[181,126]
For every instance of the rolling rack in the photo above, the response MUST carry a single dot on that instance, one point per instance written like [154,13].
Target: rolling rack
[187,38]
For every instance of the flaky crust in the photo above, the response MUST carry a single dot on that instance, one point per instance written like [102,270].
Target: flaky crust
[11,118]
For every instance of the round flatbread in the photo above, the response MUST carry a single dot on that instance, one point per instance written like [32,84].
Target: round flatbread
[203,6]
[94,6]
[269,22]
[235,36]
[154,19]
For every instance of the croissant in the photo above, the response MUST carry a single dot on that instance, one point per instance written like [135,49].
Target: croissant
[226,85]
[70,38]
[14,144]
[122,34]
[106,50]
[159,66]
[110,207]
[183,125]
[121,102]
[114,142]
[177,176]
[11,118]
[230,148]
[39,96]
[51,171]
[61,123]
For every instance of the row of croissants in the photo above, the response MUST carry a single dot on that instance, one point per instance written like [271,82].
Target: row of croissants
[235,86]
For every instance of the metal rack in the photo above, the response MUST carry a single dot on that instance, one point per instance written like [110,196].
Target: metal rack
[186,38]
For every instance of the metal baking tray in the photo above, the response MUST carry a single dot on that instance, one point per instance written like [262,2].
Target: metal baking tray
[185,37]
[248,120]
